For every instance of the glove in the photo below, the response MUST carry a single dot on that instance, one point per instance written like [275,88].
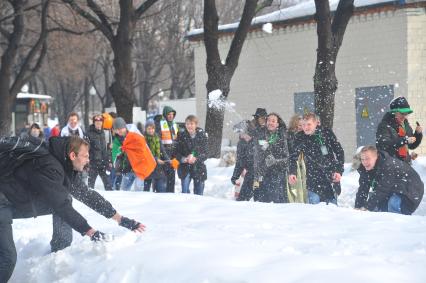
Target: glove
[97,236]
[233,180]
[270,160]
[129,223]
[256,184]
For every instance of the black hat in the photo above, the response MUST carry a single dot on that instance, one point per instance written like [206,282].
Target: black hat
[400,104]
[260,112]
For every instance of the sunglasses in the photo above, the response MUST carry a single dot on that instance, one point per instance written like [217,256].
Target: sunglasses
[98,119]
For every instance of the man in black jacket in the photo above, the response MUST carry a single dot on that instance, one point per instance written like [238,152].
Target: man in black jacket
[99,156]
[42,186]
[394,134]
[324,159]
[387,183]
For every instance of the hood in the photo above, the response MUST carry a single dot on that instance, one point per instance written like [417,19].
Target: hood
[167,110]
[58,147]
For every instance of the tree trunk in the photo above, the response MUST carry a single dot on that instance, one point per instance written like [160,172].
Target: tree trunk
[122,87]
[218,79]
[87,105]
[219,75]
[5,114]
[330,38]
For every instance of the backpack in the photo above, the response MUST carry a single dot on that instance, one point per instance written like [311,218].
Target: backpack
[14,151]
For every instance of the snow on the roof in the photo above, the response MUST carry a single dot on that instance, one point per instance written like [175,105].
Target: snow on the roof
[23,95]
[300,10]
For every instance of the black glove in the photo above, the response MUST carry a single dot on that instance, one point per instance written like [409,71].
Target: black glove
[234,180]
[128,223]
[97,236]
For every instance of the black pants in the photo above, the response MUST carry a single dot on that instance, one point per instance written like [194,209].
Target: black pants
[96,169]
[170,175]
[61,238]
[246,192]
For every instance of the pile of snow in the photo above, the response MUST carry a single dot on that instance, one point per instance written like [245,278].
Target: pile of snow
[212,238]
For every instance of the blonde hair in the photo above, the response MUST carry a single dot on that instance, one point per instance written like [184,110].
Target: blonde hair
[75,143]
[368,148]
[191,118]
[294,123]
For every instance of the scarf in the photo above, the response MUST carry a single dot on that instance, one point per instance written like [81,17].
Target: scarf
[154,145]
[403,150]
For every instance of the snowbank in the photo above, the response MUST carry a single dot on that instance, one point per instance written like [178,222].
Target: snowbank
[215,239]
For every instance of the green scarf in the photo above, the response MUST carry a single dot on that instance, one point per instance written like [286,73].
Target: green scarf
[154,145]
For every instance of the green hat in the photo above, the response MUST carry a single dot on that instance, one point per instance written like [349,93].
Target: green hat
[400,104]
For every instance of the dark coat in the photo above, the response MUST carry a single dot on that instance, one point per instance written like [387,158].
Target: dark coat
[271,176]
[198,147]
[277,149]
[245,159]
[390,176]
[319,167]
[52,178]
[98,147]
[387,138]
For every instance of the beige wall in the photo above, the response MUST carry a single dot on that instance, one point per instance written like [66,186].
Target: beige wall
[274,66]
[416,52]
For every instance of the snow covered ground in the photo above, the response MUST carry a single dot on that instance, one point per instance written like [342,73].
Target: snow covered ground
[215,239]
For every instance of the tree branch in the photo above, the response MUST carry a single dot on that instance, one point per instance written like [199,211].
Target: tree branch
[9,55]
[22,76]
[106,30]
[343,14]
[211,20]
[323,17]
[144,7]
[241,34]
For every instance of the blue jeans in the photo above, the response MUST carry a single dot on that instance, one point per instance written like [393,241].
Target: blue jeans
[314,198]
[127,182]
[115,180]
[198,185]
[158,185]
[394,204]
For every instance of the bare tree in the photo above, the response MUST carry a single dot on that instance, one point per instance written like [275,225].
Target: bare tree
[219,74]
[13,29]
[330,37]
[119,34]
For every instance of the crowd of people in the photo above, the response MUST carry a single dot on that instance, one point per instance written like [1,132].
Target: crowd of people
[305,162]
[302,163]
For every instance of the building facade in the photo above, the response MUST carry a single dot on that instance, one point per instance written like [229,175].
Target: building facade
[383,56]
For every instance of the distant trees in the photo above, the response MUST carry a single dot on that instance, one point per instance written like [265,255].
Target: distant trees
[119,31]
[24,31]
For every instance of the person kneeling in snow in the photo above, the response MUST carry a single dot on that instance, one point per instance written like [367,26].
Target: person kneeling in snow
[41,186]
[387,183]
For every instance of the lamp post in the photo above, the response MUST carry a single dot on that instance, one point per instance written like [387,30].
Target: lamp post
[92,92]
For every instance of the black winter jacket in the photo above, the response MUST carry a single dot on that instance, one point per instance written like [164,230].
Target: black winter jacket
[98,147]
[266,147]
[52,178]
[198,147]
[245,159]
[387,138]
[319,167]
[390,176]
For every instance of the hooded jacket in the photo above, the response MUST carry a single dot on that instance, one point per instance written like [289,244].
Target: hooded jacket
[387,138]
[52,178]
